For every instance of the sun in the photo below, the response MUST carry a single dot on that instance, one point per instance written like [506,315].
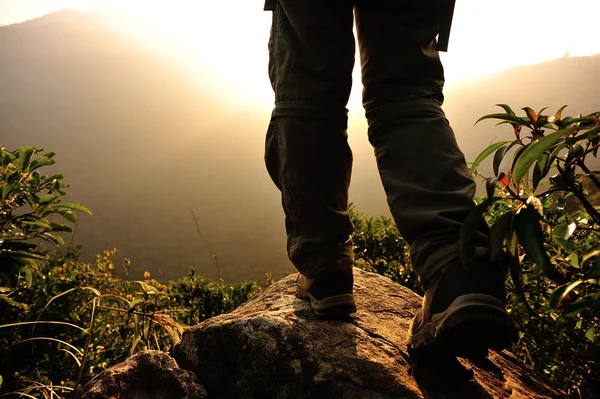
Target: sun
[223,50]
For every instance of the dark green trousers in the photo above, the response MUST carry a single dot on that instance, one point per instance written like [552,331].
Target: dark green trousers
[428,186]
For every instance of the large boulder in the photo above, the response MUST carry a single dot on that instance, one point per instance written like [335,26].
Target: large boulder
[146,375]
[275,347]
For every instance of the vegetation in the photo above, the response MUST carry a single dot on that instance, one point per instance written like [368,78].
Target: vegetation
[545,226]
[72,319]
[62,320]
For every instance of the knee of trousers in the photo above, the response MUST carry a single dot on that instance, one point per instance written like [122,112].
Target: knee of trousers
[380,115]
[326,112]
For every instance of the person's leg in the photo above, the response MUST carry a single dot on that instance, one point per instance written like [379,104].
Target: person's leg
[307,154]
[428,186]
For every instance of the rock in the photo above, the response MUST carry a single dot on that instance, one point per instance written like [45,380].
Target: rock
[146,375]
[275,347]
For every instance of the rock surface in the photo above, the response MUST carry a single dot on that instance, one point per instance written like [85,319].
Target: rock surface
[146,375]
[275,347]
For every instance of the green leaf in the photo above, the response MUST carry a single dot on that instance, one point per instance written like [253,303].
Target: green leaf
[575,308]
[54,239]
[564,244]
[24,155]
[575,152]
[533,152]
[47,198]
[485,153]
[506,117]
[70,216]
[55,297]
[74,207]
[10,301]
[39,223]
[574,260]
[58,176]
[57,227]
[7,157]
[584,121]
[469,228]
[563,230]
[60,341]
[590,134]
[499,232]
[529,233]
[591,334]
[40,162]
[531,114]
[561,292]
[537,176]
[22,255]
[499,156]
[561,234]
[147,288]
[490,187]
[28,276]
[7,189]
[515,263]
[558,114]
[542,110]
[506,108]
[26,323]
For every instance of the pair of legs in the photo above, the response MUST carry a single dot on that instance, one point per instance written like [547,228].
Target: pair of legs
[428,186]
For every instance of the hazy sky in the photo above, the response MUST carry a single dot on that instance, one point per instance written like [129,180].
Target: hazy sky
[230,37]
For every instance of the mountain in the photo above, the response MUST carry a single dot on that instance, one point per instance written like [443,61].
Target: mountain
[569,80]
[142,143]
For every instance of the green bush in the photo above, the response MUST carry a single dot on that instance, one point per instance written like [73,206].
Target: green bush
[379,248]
[62,321]
[29,201]
[545,225]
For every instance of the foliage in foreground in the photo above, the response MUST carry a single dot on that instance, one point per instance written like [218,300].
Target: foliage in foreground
[62,321]
[545,225]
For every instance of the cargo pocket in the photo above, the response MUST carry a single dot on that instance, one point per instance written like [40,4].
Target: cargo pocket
[270,5]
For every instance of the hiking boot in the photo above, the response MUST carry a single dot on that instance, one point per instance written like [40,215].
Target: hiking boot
[329,292]
[464,312]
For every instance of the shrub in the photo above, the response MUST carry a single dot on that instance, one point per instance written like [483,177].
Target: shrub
[542,206]
[62,321]
[28,202]
[379,248]
[546,226]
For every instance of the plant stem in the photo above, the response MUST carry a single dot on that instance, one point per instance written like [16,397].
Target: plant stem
[212,251]
[86,348]
[588,173]
[579,194]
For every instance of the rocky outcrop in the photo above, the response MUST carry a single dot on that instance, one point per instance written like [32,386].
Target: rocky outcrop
[146,375]
[275,347]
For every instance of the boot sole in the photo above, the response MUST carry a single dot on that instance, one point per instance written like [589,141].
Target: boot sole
[470,326]
[331,306]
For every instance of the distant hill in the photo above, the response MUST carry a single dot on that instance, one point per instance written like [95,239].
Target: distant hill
[572,81]
[141,143]
[551,84]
